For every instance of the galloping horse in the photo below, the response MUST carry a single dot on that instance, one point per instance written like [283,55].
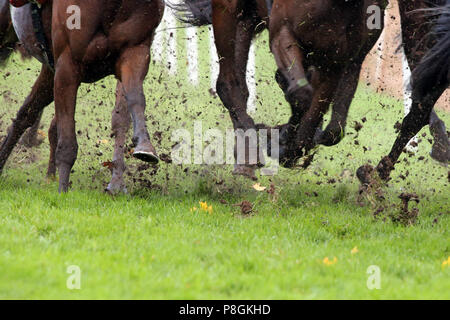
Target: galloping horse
[417,26]
[8,44]
[330,36]
[334,37]
[8,38]
[236,22]
[114,38]
[429,80]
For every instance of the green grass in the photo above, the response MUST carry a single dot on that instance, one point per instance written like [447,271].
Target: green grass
[148,244]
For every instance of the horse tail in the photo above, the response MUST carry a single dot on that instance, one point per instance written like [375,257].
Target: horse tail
[434,68]
[194,12]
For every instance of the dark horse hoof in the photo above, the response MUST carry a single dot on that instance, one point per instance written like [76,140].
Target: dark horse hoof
[328,137]
[146,152]
[149,157]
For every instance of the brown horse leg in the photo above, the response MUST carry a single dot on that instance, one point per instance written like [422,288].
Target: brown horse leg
[345,91]
[67,81]
[53,140]
[293,80]
[41,95]
[132,67]
[441,147]
[233,38]
[30,137]
[120,125]
[412,124]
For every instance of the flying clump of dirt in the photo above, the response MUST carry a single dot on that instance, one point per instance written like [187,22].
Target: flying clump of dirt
[371,187]
[246,207]
[371,191]
[404,215]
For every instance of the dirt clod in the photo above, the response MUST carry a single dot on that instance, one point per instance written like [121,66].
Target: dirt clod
[246,207]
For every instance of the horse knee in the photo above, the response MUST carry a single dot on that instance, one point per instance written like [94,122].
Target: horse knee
[134,98]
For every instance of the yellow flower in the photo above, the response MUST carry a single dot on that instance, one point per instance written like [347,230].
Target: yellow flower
[204,207]
[354,250]
[446,263]
[193,209]
[329,262]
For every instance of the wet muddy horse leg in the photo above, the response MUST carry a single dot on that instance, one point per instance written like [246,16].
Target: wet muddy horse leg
[307,127]
[120,122]
[345,91]
[41,95]
[67,82]
[418,117]
[31,138]
[233,32]
[131,69]
[293,80]
[415,28]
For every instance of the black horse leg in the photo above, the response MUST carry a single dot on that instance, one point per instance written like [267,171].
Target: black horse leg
[30,137]
[293,79]
[345,91]
[233,37]
[41,95]
[418,117]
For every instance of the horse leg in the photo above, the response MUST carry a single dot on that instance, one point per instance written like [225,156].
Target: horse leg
[293,80]
[417,118]
[233,37]
[53,141]
[131,69]
[415,28]
[120,125]
[441,147]
[345,91]
[41,95]
[30,137]
[67,81]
